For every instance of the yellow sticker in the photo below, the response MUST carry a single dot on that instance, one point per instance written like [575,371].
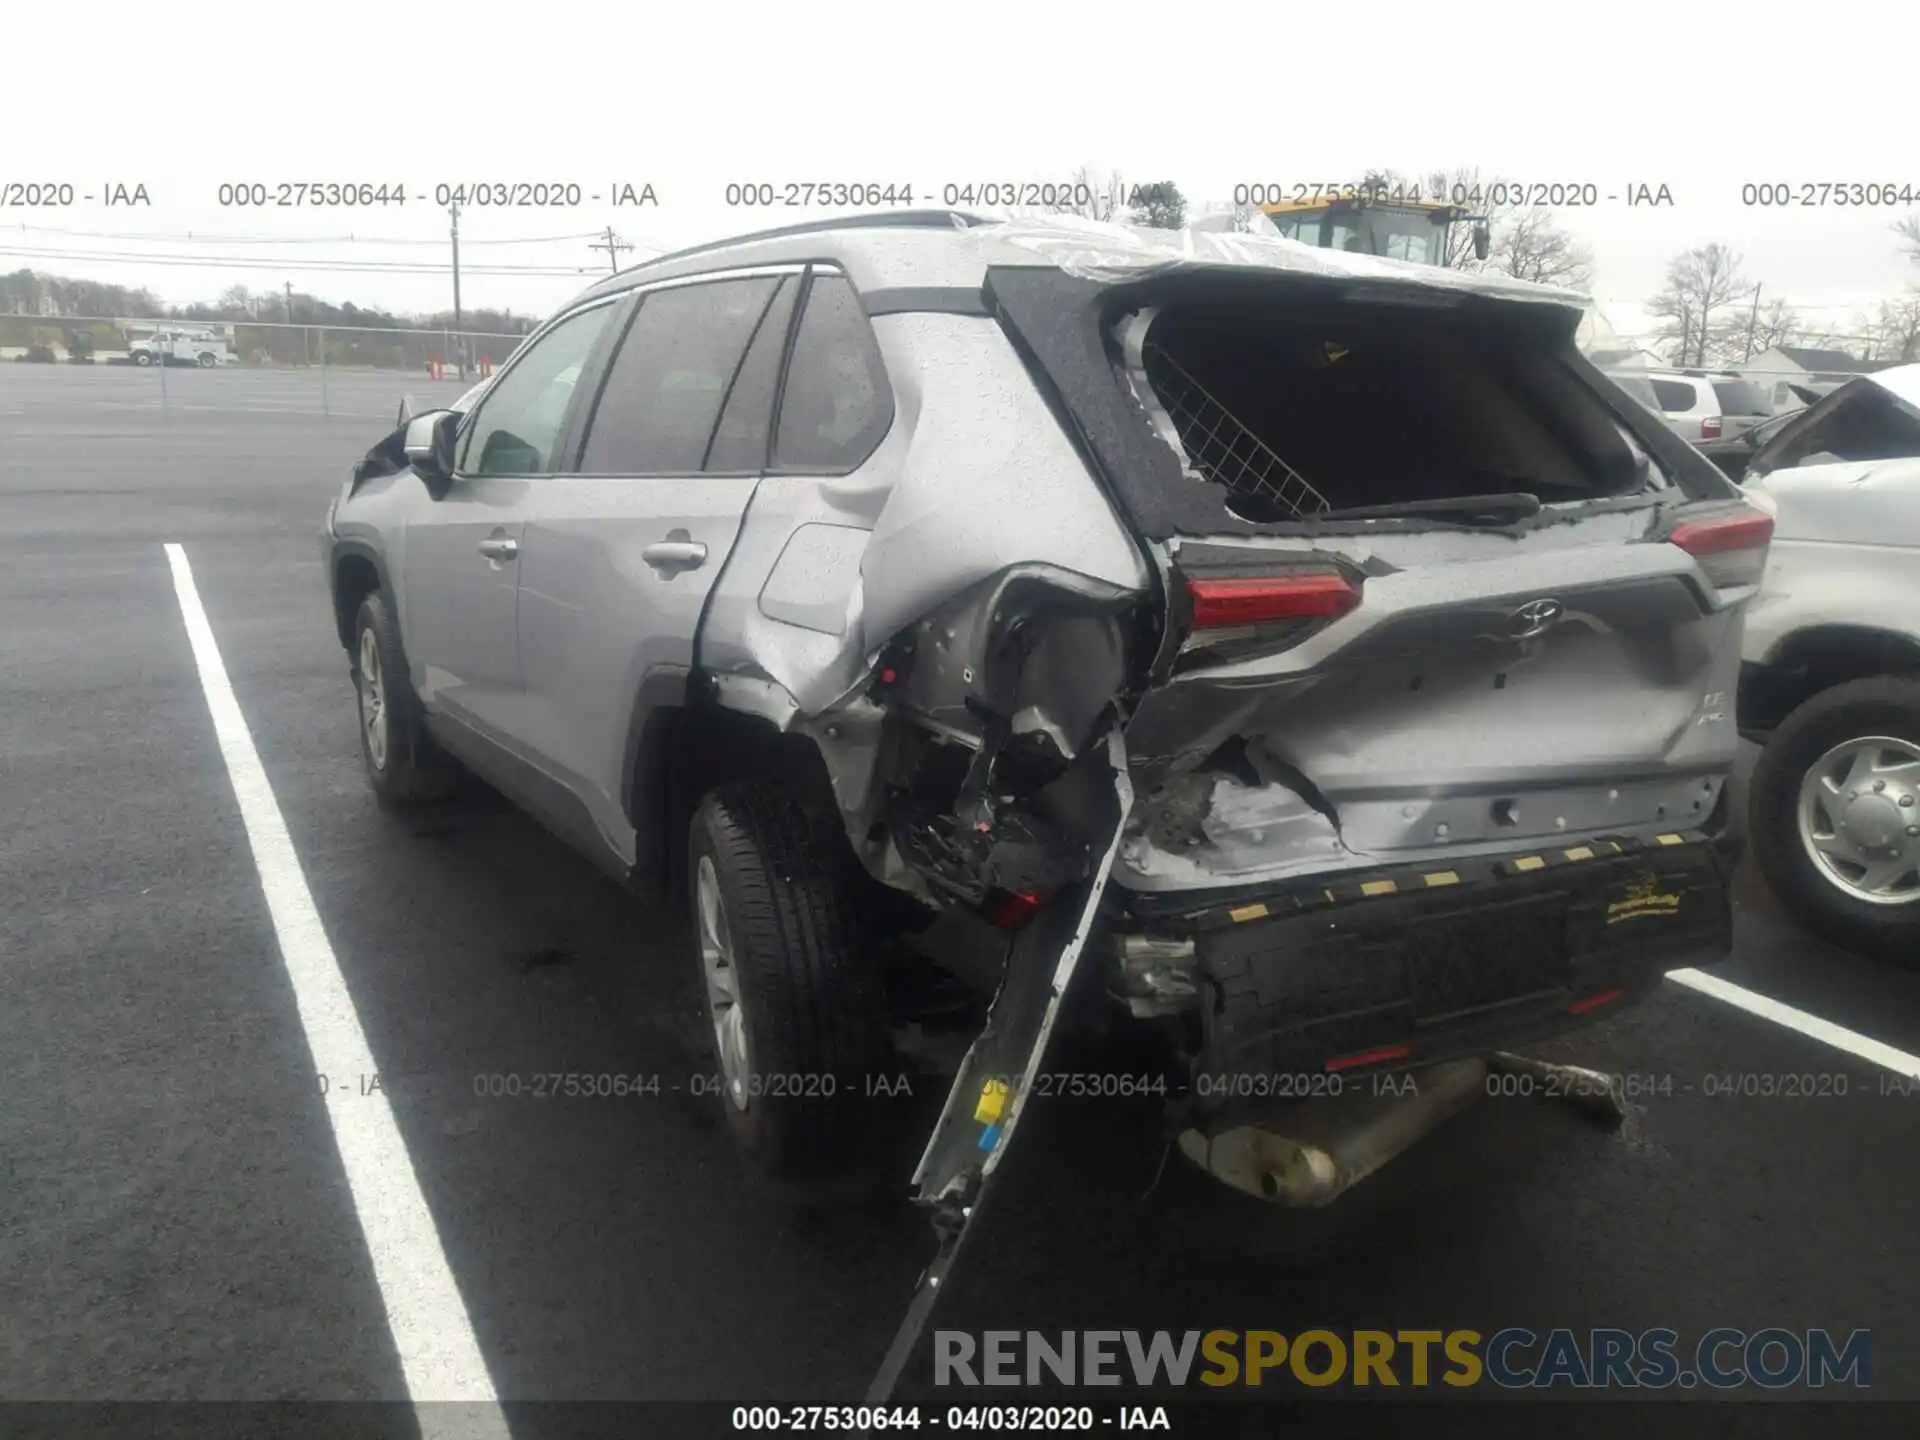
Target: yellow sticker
[993,1100]
[1442,877]
[1378,887]
[1579,852]
[1243,913]
[1529,862]
[1671,839]
[1643,897]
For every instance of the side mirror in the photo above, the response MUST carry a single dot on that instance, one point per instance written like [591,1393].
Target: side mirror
[1482,240]
[429,446]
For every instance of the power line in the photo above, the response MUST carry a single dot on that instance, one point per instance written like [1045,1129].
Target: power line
[256,262]
[191,237]
[612,244]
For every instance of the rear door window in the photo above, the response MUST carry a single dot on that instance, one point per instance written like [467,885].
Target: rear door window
[657,412]
[1640,388]
[1739,397]
[745,430]
[1675,396]
[836,403]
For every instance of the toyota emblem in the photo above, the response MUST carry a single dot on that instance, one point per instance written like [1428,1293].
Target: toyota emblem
[1535,618]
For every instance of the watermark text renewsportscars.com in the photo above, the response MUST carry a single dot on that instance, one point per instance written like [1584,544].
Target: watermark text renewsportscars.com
[1770,1358]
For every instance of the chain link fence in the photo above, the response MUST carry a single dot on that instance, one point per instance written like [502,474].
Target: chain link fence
[93,340]
[358,372]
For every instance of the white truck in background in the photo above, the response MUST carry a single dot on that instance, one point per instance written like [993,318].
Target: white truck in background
[181,345]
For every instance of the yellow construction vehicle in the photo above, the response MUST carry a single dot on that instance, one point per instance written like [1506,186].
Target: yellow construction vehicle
[1389,225]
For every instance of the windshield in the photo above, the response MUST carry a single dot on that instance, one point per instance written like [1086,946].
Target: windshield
[1375,230]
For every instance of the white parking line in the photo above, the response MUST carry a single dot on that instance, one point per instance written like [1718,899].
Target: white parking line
[425,1314]
[1812,1026]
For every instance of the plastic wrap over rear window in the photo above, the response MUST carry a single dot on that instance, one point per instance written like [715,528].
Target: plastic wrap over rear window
[1105,252]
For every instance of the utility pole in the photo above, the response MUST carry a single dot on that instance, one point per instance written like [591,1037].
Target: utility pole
[1753,320]
[289,302]
[459,341]
[612,244]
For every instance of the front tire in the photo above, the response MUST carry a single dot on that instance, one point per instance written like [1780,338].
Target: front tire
[142,358]
[793,988]
[1835,815]
[403,765]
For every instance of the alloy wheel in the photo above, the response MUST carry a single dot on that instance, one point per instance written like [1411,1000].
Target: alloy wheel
[373,700]
[723,985]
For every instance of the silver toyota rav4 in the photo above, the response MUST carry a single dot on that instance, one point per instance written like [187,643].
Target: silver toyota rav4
[1310,653]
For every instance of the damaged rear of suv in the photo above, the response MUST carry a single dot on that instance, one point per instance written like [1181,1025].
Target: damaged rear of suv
[1312,652]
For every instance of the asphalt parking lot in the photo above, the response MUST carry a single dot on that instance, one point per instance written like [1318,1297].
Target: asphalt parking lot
[176,1222]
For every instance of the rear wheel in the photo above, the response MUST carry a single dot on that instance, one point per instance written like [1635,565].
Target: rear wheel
[792,985]
[403,765]
[1835,815]
[206,361]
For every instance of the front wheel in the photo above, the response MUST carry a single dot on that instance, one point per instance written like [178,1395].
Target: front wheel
[142,358]
[403,765]
[793,989]
[1835,815]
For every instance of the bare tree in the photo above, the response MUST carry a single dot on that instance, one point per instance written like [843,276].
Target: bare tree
[1777,323]
[1093,195]
[1896,328]
[1158,204]
[1528,245]
[1908,229]
[1699,305]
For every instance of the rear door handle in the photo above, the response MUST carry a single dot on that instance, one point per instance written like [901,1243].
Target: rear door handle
[672,556]
[499,549]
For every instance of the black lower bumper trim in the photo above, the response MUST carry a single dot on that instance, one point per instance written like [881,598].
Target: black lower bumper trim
[1411,976]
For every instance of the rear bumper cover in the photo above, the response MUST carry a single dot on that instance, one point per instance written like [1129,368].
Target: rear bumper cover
[1396,968]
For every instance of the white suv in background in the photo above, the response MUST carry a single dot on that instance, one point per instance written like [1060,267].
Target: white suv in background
[1701,405]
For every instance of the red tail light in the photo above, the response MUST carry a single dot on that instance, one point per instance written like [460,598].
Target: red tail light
[1259,601]
[1710,428]
[1731,547]
[1740,530]
[1007,910]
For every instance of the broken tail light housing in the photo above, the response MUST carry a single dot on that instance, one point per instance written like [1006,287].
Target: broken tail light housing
[1262,600]
[1730,547]
[1710,428]
[1237,617]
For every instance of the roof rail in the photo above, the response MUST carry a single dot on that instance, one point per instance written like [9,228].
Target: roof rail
[871,220]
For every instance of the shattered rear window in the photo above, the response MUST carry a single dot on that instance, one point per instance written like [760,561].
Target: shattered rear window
[1338,408]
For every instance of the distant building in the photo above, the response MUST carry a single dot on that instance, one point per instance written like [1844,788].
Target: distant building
[1794,374]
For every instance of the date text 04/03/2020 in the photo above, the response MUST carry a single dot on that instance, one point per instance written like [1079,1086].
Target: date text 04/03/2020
[1042,1419]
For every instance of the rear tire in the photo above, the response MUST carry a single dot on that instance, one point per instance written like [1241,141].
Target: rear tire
[793,988]
[403,765]
[207,362]
[1831,907]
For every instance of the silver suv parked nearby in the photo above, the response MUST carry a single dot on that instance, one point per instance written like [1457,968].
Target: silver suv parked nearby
[1700,405]
[1314,651]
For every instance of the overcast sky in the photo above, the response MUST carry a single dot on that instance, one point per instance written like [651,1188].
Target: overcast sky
[689,98]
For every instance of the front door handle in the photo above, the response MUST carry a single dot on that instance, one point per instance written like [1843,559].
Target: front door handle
[499,548]
[672,556]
